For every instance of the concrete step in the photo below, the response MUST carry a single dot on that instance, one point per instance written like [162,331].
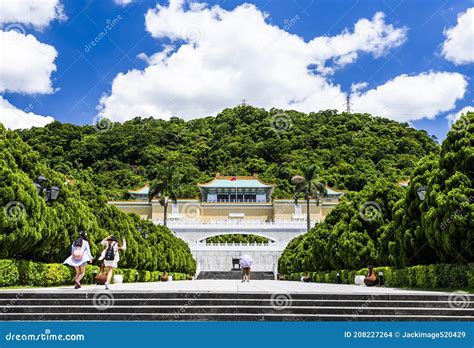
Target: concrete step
[114,308]
[144,294]
[232,302]
[235,275]
[224,317]
[217,306]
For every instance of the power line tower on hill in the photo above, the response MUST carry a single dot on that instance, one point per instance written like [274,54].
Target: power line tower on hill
[348,103]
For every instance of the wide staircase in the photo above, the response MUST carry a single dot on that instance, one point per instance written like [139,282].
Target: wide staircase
[221,306]
[235,275]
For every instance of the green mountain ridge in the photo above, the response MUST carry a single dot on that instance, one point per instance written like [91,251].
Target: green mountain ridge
[350,149]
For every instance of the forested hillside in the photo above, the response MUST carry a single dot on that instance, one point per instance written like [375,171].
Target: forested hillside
[351,150]
[384,224]
[33,229]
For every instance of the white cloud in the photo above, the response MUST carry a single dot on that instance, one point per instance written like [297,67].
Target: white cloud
[123,2]
[37,13]
[453,117]
[26,64]
[408,98]
[459,44]
[232,55]
[14,118]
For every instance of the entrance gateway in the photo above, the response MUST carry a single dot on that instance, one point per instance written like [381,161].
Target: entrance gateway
[233,205]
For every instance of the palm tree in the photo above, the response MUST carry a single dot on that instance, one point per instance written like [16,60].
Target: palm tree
[165,186]
[308,183]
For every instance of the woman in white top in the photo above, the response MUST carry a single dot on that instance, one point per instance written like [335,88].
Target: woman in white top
[80,255]
[111,256]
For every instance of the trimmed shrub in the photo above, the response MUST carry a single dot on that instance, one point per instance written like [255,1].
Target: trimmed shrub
[23,272]
[9,275]
[54,274]
[30,273]
[425,277]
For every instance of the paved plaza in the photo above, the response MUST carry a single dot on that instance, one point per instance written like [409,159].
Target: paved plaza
[236,286]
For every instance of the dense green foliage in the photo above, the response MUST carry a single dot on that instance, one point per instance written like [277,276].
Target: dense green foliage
[29,273]
[350,149]
[439,276]
[384,224]
[32,229]
[237,238]
[441,229]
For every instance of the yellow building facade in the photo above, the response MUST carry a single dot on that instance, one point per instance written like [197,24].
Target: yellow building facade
[232,199]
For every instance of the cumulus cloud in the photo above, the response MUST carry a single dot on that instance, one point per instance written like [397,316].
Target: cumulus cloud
[26,64]
[459,44]
[407,98]
[123,2]
[37,13]
[216,57]
[14,118]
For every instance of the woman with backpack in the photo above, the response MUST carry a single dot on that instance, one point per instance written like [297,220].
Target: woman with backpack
[80,255]
[110,255]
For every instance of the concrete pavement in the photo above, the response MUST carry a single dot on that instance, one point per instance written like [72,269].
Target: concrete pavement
[236,286]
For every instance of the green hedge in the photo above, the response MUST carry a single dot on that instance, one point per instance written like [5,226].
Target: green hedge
[22,272]
[426,277]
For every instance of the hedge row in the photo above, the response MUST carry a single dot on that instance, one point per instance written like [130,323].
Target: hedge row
[426,277]
[22,272]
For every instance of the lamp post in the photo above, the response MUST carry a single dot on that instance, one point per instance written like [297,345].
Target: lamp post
[50,193]
[421,192]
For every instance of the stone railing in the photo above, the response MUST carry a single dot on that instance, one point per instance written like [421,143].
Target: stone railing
[237,223]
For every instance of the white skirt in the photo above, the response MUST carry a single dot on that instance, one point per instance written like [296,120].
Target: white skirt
[112,263]
[76,263]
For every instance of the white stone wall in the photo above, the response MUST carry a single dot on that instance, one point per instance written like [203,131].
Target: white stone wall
[219,258]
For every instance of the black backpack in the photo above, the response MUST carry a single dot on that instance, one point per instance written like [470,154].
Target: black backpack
[110,253]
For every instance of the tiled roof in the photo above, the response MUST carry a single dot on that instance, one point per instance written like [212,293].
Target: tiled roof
[141,191]
[240,182]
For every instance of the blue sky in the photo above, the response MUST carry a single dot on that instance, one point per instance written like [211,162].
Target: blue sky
[85,73]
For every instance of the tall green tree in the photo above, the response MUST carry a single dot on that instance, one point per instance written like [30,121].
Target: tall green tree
[309,185]
[32,229]
[166,185]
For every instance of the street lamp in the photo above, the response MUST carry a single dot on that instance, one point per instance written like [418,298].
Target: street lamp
[421,191]
[49,193]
